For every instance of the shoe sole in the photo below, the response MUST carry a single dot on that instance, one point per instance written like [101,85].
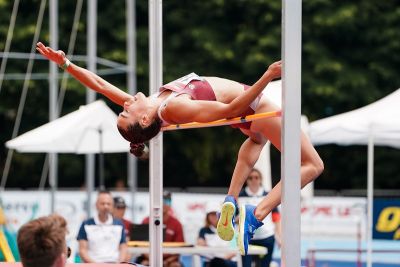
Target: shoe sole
[226,232]
[240,239]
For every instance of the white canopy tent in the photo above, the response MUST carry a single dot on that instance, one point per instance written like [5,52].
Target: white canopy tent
[90,129]
[375,124]
[379,119]
[77,132]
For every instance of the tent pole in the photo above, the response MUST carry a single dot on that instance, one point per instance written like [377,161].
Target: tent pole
[91,95]
[101,160]
[53,95]
[132,84]
[370,196]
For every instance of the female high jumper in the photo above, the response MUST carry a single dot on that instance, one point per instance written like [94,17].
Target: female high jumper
[203,99]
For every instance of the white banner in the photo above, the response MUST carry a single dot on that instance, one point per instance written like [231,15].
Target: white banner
[334,217]
[23,206]
[322,217]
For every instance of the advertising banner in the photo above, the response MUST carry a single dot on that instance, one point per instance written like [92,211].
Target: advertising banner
[22,206]
[386,219]
[336,217]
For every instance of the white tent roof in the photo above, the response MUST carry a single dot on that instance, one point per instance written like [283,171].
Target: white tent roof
[274,92]
[381,118]
[77,132]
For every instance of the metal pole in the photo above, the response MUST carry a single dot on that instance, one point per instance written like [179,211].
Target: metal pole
[132,85]
[156,144]
[359,248]
[91,95]
[291,96]
[101,160]
[53,96]
[370,196]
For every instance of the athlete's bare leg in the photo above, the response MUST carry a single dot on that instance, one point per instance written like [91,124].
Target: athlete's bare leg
[311,163]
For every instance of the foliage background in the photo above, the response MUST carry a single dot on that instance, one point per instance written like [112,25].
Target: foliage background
[351,57]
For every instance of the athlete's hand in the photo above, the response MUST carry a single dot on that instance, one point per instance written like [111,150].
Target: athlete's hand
[57,57]
[275,69]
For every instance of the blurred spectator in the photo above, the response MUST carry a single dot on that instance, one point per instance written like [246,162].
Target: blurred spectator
[102,238]
[41,242]
[208,237]
[119,212]
[173,233]
[120,185]
[266,235]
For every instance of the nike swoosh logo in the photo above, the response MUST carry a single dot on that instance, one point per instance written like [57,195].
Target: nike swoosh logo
[226,221]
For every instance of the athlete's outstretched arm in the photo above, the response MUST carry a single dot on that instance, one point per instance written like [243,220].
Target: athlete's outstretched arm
[182,110]
[84,76]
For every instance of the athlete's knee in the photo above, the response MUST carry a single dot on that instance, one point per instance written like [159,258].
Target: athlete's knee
[320,167]
[317,166]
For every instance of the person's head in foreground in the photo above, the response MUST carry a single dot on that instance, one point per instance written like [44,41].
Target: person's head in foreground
[41,242]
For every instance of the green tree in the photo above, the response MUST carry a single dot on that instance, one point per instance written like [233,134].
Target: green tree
[350,58]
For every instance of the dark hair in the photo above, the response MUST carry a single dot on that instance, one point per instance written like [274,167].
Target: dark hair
[136,134]
[41,241]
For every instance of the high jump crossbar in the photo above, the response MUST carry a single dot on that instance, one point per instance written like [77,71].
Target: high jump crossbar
[222,122]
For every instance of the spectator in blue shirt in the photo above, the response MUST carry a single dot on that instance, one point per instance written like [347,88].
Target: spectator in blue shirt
[102,238]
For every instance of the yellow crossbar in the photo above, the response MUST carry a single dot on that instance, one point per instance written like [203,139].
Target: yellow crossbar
[222,122]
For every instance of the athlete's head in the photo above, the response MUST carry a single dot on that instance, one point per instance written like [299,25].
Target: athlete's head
[136,123]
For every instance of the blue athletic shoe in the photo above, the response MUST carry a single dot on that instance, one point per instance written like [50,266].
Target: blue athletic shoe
[248,224]
[226,222]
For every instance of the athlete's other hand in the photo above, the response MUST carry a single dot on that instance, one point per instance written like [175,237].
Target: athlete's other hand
[57,57]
